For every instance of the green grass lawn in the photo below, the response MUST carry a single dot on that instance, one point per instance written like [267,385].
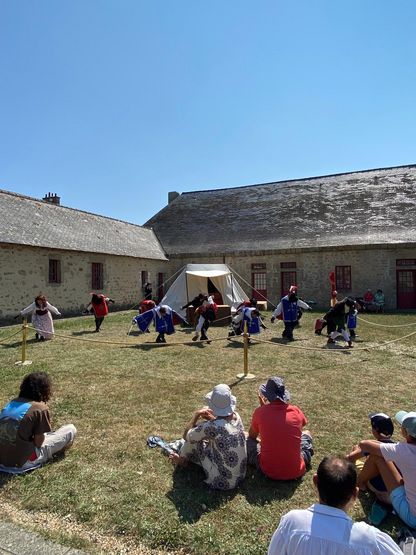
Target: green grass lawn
[110,484]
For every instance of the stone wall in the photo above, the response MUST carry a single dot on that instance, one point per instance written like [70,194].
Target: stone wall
[371,268]
[25,273]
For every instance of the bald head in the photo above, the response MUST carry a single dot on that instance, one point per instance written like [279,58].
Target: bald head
[336,480]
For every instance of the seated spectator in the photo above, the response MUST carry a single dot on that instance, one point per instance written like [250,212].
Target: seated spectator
[379,300]
[382,429]
[368,299]
[284,451]
[215,440]
[396,462]
[26,437]
[325,527]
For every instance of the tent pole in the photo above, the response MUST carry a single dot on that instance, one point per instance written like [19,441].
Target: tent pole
[187,292]
[232,286]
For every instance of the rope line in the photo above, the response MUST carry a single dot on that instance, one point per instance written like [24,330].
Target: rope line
[335,350]
[232,338]
[10,336]
[125,343]
[386,325]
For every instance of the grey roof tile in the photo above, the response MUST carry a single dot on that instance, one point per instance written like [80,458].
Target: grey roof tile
[28,221]
[360,208]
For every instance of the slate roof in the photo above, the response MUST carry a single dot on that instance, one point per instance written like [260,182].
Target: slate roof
[28,221]
[360,208]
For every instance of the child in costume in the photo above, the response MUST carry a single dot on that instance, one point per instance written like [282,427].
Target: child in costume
[207,314]
[289,309]
[352,321]
[162,316]
[42,321]
[99,307]
[247,314]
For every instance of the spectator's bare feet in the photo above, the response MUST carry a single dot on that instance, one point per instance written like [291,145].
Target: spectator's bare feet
[177,460]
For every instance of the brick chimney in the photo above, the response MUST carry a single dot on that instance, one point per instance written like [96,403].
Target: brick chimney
[52,198]
[172,195]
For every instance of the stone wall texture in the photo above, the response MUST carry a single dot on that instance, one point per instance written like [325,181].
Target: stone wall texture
[25,273]
[371,268]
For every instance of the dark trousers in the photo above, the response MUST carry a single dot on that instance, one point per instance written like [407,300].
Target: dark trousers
[98,322]
[288,331]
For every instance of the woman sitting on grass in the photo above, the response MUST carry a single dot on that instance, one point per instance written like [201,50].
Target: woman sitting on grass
[215,440]
[26,437]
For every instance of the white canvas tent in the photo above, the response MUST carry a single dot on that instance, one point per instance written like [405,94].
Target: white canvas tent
[194,280]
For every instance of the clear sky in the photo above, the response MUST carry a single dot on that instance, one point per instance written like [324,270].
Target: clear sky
[113,103]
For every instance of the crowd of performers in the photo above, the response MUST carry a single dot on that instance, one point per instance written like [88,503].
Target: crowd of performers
[164,317]
[340,320]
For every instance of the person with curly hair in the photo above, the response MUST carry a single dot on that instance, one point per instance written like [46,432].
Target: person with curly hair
[215,440]
[26,437]
[42,321]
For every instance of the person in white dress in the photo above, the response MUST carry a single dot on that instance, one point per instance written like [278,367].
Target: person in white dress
[42,321]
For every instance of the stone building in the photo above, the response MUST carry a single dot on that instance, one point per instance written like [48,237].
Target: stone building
[66,254]
[360,225]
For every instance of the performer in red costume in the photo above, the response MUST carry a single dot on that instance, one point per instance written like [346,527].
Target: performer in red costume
[99,307]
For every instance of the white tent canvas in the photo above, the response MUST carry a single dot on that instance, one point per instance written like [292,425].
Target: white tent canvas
[194,280]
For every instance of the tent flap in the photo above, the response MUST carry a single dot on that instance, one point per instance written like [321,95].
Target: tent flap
[194,280]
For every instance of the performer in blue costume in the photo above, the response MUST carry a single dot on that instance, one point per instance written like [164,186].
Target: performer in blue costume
[246,314]
[288,308]
[162,316]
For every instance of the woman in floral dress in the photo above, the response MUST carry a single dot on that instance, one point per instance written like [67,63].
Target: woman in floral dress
[215,440]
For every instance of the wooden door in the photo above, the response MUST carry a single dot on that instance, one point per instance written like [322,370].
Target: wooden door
[406,289]
[287,279]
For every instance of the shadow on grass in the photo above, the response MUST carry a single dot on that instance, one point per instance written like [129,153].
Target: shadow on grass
[19,343]
[193,498]
[260,490]
[83,332]
[390,525]
[5,478]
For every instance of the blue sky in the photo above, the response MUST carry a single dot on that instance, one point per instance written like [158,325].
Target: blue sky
[111,104]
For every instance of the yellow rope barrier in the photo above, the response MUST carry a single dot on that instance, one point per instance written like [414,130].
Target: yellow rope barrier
[10,336]
[129,344]
[255,339]
[386,325]
[331,350]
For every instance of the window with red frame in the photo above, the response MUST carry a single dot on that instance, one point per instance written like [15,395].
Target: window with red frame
[54,271]
[343,277]
[287,279]
[97,276]
[259,281]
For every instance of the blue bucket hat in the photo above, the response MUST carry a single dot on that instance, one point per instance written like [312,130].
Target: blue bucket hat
[274,389]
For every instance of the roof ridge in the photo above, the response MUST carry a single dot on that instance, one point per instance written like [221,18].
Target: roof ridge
[27,197]
[298,179]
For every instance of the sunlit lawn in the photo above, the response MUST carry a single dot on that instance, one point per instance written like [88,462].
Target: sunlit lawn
[117,395]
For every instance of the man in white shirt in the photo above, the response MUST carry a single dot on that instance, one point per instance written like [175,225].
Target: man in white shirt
[325,527]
